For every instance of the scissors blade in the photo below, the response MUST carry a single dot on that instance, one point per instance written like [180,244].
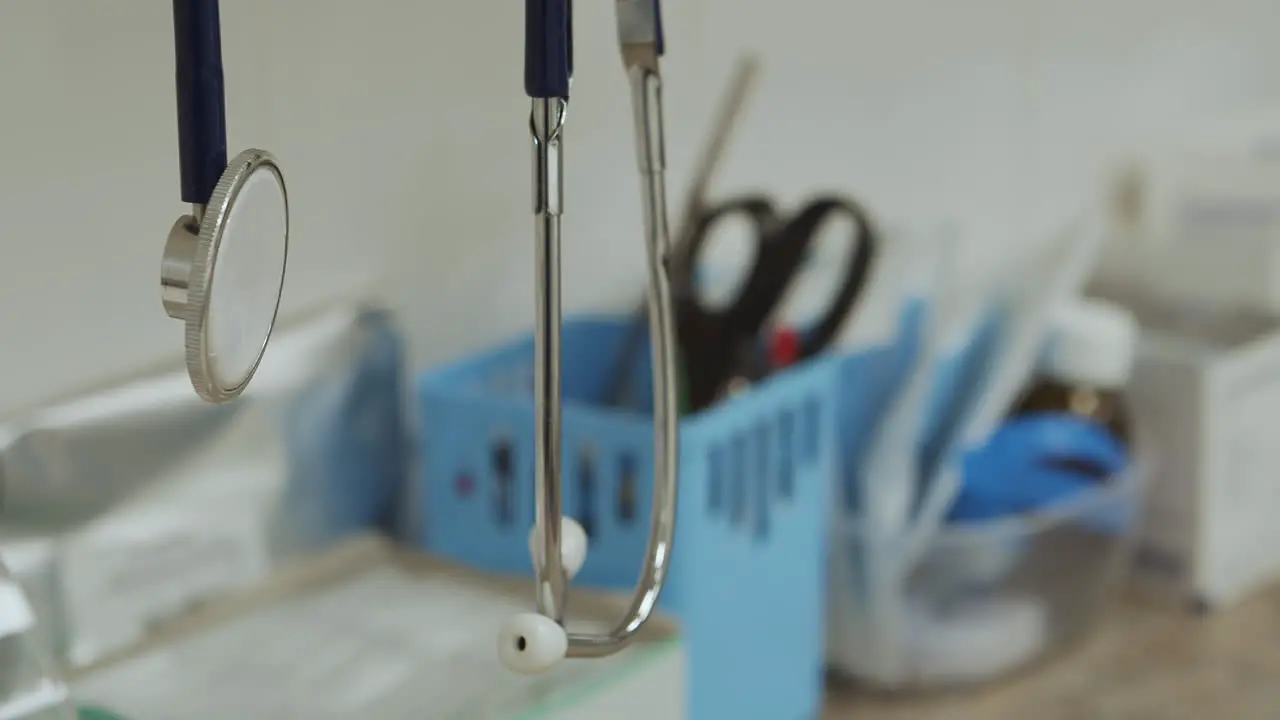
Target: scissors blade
[727,116]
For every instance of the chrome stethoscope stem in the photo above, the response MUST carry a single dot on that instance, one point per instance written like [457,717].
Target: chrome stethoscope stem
[646,97]
[546,123]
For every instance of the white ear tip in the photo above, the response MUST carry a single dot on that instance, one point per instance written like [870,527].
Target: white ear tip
[531,643]
[573,545]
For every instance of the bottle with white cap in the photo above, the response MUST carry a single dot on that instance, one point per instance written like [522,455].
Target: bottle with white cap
[1087,362]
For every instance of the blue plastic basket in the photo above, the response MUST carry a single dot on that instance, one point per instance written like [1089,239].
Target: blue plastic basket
[748,574]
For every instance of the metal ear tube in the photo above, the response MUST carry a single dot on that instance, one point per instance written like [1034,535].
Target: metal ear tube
[533,642]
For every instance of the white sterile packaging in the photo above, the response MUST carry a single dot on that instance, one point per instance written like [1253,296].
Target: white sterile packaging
[1198,216]
[365,632]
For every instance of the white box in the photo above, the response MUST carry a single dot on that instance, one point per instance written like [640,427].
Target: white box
[1199,215]
[1206,395]
[368,632]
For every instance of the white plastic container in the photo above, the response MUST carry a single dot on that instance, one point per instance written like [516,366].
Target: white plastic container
[988,598]
[1207,385]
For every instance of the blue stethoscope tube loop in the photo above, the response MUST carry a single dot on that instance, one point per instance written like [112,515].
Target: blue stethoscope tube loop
[202,116]
[548,48]
[661,42]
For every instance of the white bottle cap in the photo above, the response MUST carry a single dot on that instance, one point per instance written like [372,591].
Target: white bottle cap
[1092,343]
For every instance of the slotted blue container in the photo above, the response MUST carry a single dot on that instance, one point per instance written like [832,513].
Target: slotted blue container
[756,488]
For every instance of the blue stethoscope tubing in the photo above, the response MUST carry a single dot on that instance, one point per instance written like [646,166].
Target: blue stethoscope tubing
[202,115]
[548,48]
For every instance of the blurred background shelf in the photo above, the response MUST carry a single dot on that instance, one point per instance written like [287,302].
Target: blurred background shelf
[1151,660]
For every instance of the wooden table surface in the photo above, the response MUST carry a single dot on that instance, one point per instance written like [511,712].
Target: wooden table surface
[1147,661]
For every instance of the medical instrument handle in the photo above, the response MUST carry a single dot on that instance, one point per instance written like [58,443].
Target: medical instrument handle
[202,117]
[548,48]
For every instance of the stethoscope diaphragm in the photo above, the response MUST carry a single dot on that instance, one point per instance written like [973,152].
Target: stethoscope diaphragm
[223,274]
[223,266]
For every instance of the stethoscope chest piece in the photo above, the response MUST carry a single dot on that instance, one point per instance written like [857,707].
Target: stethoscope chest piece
[223,272]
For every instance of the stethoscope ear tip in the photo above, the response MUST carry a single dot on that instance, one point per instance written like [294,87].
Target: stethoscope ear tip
[573,546]
[531,643]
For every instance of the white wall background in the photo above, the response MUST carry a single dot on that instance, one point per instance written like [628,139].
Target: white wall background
[402,129]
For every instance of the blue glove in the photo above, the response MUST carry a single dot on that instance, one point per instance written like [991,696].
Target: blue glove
[1039,461]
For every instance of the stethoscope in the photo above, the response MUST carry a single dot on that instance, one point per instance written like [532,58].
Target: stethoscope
[223,271]
[223,266]
[534,642]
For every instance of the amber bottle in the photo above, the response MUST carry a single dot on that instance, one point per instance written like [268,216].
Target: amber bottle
[1087,362]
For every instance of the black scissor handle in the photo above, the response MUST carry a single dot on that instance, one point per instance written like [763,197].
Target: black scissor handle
[711,338]
[780,251]
[745,309]
[789,249]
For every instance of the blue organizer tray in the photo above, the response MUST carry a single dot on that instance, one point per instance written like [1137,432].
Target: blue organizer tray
[757,474]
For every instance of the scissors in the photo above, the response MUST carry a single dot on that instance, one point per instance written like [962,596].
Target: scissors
[624,386]
[721,346]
